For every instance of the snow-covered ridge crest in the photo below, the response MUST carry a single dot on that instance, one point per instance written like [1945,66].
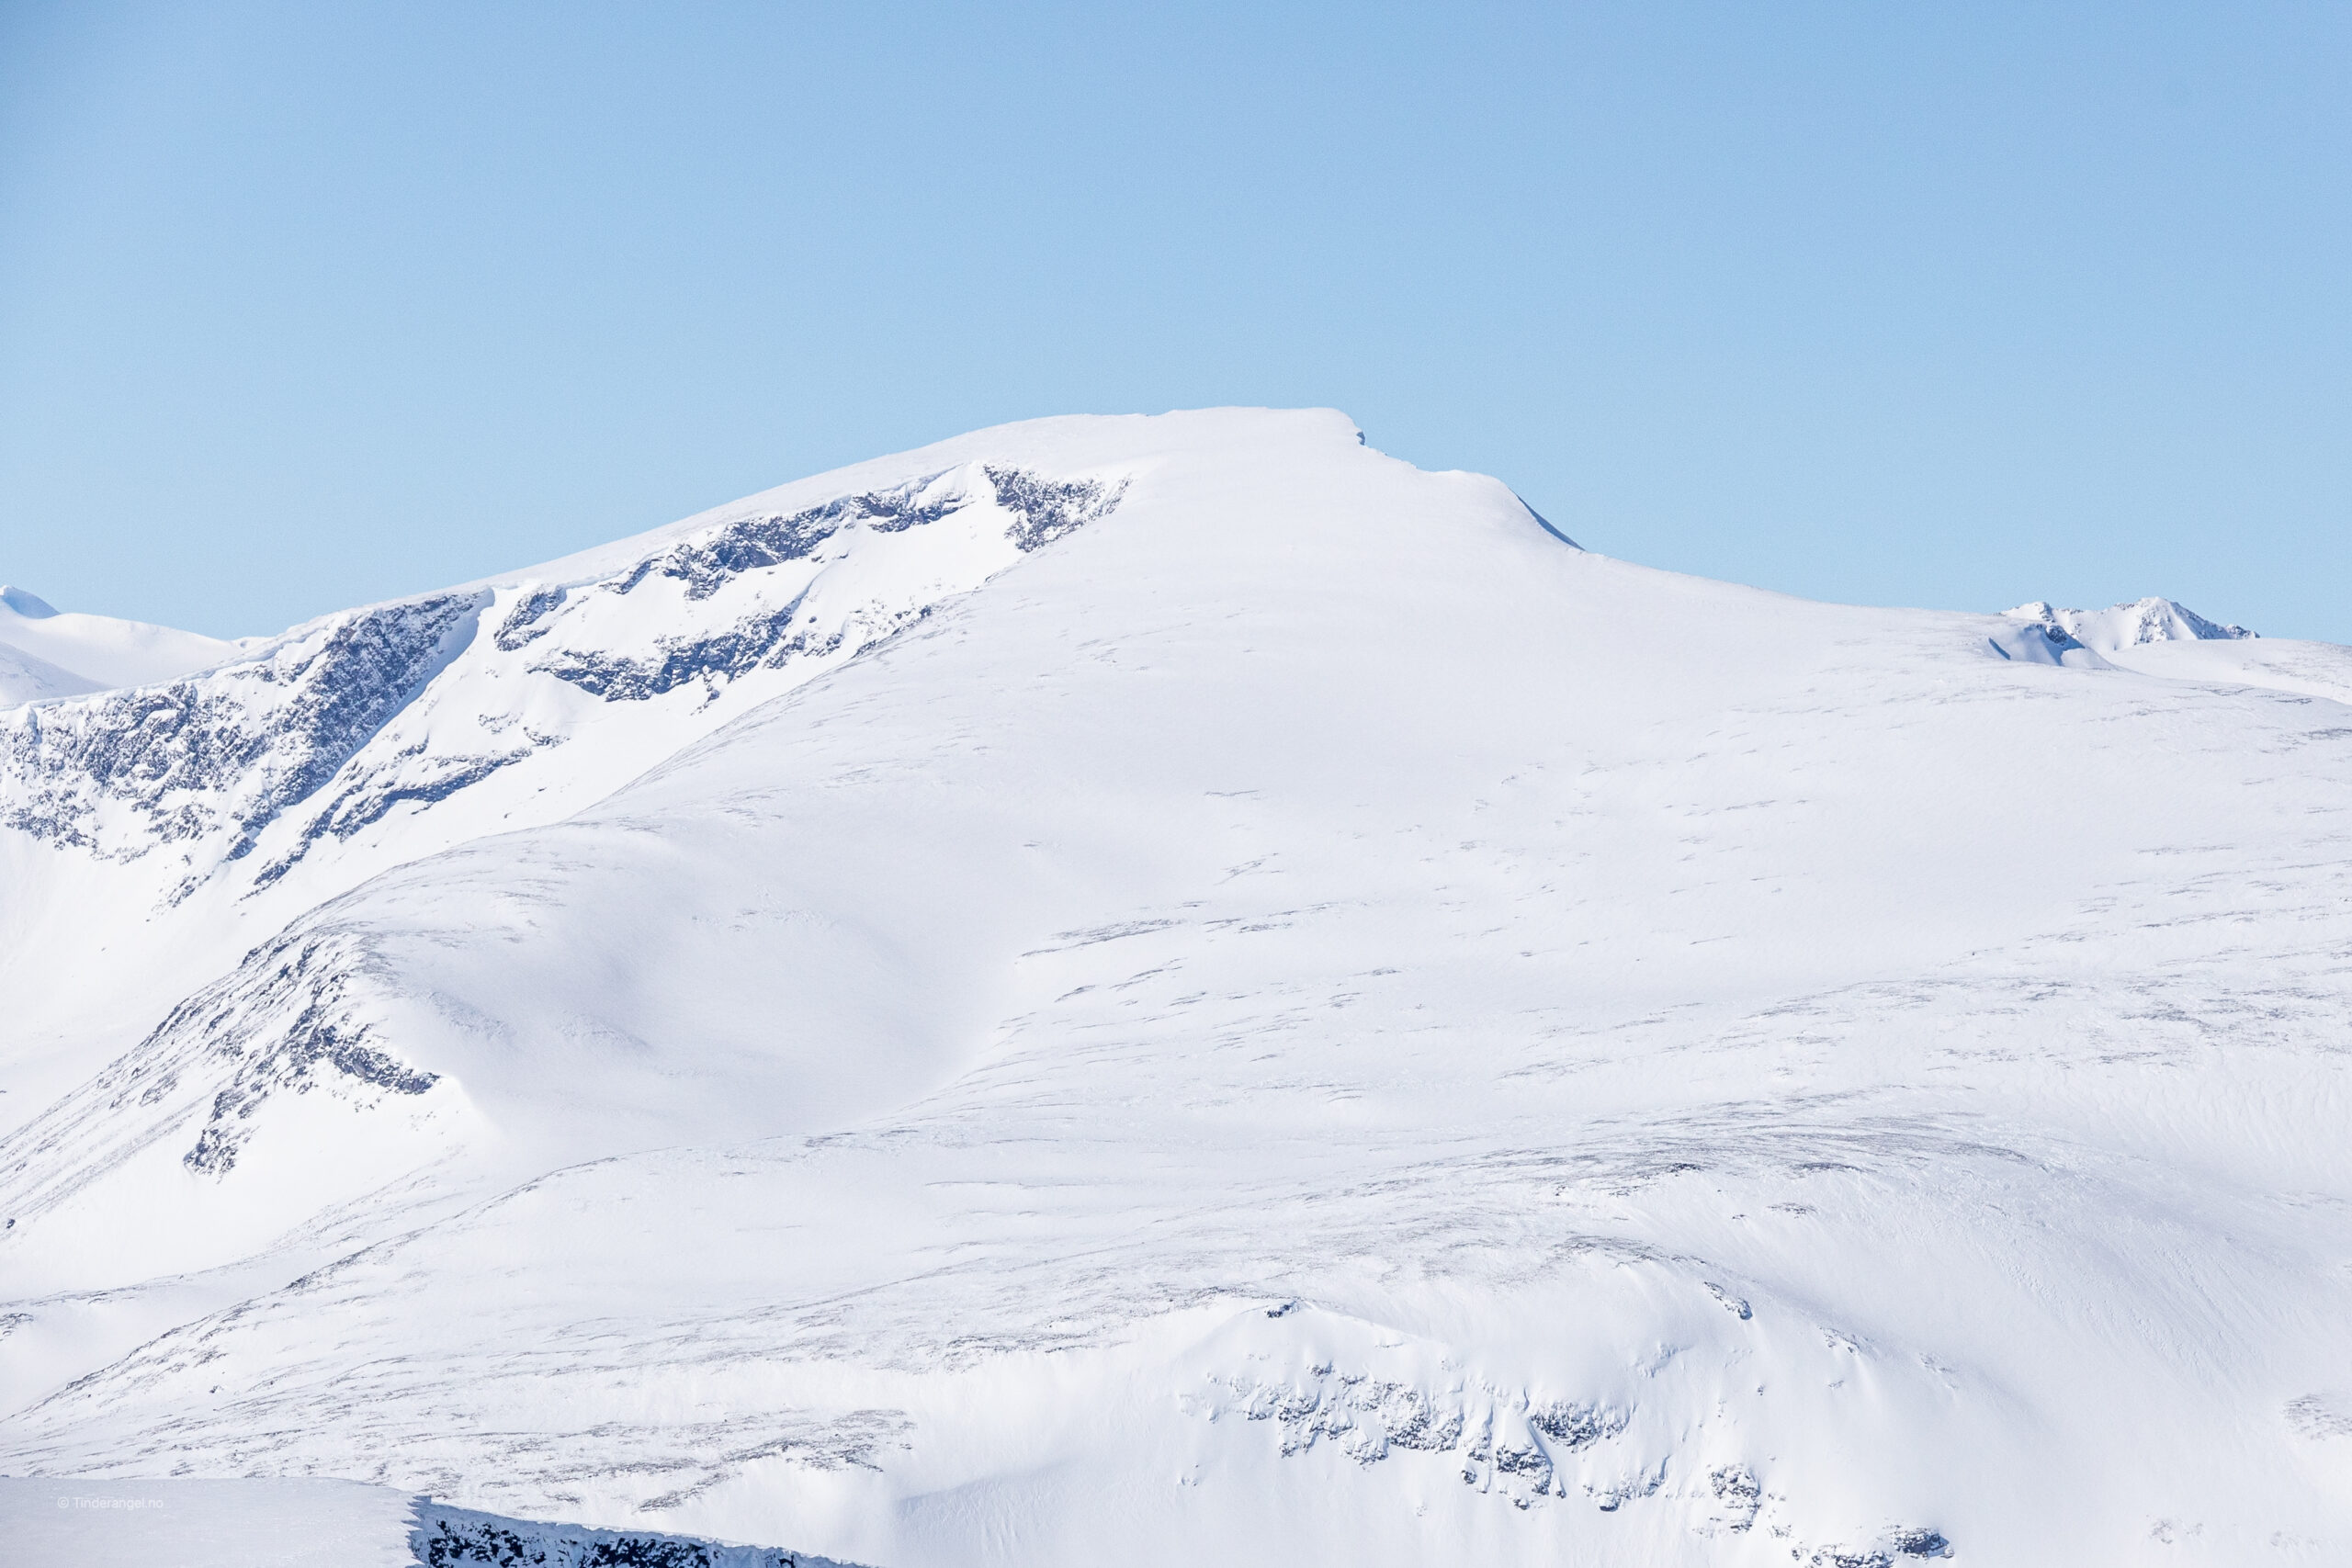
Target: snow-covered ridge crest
[221,755]
[742,566]
[46,653]
[2126,626]
[391,710]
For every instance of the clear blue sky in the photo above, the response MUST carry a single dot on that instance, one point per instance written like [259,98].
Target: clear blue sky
[306,305]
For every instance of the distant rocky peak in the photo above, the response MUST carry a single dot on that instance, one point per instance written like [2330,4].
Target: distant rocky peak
[2126,626]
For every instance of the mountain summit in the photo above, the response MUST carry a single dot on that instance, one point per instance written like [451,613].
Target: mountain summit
[2128,626]
[1180,989]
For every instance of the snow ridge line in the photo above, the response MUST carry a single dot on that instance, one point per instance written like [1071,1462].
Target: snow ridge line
[221,755]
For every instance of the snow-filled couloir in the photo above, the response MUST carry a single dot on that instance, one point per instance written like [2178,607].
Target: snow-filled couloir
[1182,989]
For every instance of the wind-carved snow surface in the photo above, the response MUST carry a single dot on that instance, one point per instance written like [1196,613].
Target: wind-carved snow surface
[1312,1021]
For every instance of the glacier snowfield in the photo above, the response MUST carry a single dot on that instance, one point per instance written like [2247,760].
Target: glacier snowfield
[1171,990]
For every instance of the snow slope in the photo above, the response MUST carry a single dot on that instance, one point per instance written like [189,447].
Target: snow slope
[1302,1018]
[46,654]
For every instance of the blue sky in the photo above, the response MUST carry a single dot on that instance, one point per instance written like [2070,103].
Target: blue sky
[306,305]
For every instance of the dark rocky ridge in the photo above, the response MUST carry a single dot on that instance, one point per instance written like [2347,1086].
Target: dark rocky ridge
[228,751]
[460,1537]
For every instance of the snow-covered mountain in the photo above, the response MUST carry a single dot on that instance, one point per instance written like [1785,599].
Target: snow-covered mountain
[2119,627]
[1181,990]
[317,737]
[45,654]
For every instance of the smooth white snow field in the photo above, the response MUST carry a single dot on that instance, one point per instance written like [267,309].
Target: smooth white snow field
[1175,990]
